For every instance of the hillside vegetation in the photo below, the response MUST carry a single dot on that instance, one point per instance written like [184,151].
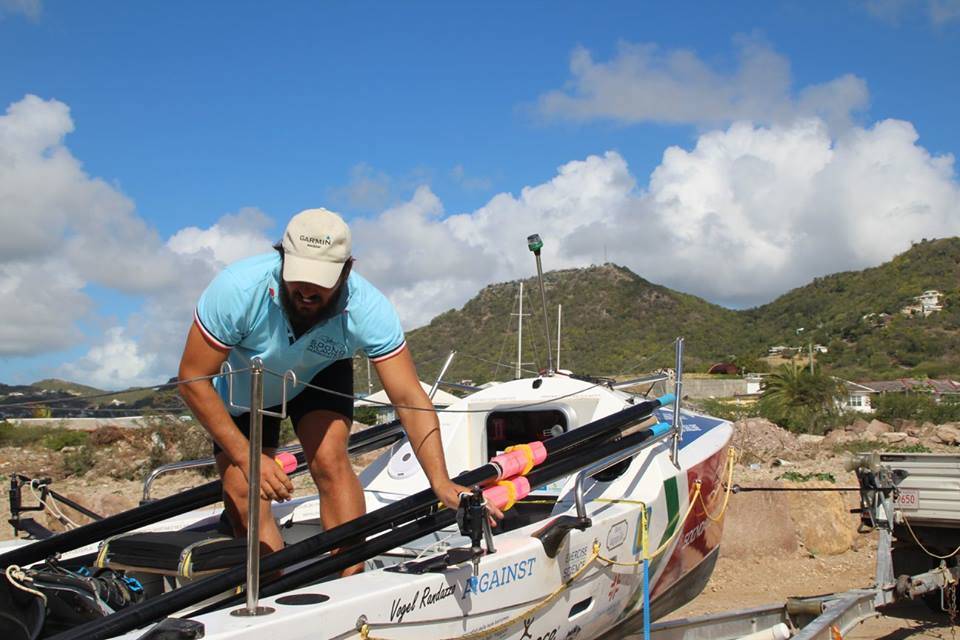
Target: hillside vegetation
[617,323]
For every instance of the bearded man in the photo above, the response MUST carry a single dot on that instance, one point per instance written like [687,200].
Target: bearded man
[303,308]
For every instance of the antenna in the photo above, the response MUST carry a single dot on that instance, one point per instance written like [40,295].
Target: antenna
[534,243]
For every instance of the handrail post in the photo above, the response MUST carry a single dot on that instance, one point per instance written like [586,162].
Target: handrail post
[677,393]
[253,495]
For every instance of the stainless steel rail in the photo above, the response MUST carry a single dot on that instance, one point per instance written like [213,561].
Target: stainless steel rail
[199,463]
[606,463]
[677,394]
[253,492]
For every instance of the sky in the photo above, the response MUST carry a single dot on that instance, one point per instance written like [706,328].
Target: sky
[730,150]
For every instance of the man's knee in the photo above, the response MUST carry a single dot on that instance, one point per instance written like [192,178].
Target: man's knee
[331,465]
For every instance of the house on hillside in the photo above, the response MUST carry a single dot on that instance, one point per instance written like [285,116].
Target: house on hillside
[859,394]
[858,397]
[930,301]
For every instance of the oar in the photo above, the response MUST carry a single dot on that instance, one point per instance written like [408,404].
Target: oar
[378,521]
[551,471]
[375,437]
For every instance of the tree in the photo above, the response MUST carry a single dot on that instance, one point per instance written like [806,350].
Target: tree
[801,401]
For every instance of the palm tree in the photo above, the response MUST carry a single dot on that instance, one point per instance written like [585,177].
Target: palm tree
[800,400]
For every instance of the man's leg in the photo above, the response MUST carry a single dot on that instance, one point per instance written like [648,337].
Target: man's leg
[324,436]
[235,499]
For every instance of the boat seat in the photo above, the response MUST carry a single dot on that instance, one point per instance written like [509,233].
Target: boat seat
[175,553]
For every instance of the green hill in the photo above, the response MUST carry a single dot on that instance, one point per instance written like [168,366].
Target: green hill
[843,311]
[614,323]
[54,384]
[617,323]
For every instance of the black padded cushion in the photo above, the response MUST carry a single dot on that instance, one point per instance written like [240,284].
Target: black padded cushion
[163,550]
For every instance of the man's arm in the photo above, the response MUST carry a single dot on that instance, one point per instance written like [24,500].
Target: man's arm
[200,358]
[419,419]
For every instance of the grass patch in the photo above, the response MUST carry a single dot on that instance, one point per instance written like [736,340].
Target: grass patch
[53,438]
[796,476]
[869,447]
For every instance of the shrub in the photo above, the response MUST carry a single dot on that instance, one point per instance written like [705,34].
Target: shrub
[79,461]
[57,439]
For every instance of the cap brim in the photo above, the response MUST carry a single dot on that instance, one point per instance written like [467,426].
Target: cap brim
[318,272]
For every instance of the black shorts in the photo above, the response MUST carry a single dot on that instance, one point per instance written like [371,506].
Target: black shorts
[336,377]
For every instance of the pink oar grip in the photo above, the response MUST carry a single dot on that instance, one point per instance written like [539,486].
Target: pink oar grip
[501,495]
[287,461]
[515,461]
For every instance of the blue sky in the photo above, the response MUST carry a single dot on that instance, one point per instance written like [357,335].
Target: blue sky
[435,125]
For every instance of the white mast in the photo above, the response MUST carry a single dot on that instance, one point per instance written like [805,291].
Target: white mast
[520,332]
[559,317]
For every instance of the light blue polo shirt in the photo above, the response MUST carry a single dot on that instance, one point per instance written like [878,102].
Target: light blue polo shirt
[241,311]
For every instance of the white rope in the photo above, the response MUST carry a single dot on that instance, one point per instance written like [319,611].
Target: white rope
[15,573]
[53,508]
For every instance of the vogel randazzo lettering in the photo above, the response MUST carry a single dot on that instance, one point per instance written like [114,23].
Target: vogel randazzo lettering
[420,599]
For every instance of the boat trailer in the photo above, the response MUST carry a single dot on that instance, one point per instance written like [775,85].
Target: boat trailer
[927,487]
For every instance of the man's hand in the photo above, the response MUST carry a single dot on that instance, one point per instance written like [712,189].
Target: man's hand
[274,483]
[449,495]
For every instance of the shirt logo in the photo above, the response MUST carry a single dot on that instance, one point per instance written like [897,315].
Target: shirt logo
[327,347]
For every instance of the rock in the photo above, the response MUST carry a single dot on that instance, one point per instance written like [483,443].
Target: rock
[876,427]
[760,440]
[866,436]
[947,434]
[810,440]
[838,437]
[893,437]
[833,530]
[859,426]
[911,441]
[744,540]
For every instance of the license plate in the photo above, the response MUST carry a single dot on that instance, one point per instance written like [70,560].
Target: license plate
[907,499]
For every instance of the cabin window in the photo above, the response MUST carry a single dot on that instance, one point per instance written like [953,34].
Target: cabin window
[507,428]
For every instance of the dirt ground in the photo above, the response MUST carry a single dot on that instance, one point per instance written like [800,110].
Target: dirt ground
[775,545]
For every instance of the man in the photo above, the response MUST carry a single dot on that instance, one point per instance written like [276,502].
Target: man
[303,308]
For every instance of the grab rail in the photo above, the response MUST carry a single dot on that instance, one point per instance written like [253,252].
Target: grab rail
[661,431]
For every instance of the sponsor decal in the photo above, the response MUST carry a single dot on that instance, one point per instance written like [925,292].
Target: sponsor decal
[576,558]
[327,347]
[573,633]
[616,535]
[421,599]
[691,536]
[325,241]
[549,635]
[614,587]
[496,578]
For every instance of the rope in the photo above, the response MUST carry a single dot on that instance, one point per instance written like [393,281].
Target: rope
[52,508]
[365,628]
[731,461]
[920,544]
[15,573]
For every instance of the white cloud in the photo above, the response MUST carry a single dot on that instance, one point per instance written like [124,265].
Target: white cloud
[64,230]
[939,12]
[745,215]
[118,359]
[30,8]
[644,83]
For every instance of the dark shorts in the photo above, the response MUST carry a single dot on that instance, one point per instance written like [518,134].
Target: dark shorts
[337,377]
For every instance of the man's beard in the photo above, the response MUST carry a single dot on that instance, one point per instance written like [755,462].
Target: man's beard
[304,321]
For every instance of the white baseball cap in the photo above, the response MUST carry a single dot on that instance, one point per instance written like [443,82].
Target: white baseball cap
[316,245]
